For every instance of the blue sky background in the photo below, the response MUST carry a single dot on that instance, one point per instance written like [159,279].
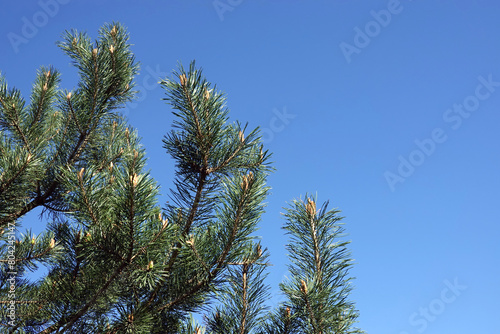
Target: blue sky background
[353,119]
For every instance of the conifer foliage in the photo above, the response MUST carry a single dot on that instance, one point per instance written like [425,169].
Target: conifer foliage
[317,291]
[119,262]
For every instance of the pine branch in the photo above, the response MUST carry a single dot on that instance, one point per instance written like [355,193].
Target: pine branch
[69,321]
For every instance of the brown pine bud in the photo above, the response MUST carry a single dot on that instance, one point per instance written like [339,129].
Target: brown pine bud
[135,180]
[45,86]
[136,154]
[111,166]
[113,31]
[303,286]
[183,79]
[311,207]
[94,52]
[207,94]
[80,173]
[287,311]
[68,96]
[126,133]
[241,136]
[111,49]
[150,265]
[130,317]
[246,180]
[259,251]
[52,243]
[47,74]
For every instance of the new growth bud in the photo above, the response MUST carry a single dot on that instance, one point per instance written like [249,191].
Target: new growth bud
[311,207]
[150,265]
[94,52]
[68,96]
[33,240]
[303,286]
[45,86]
[241,136]
[207,94]
[259,251]
[52,243]
[135,180]
[183,79]
[111,49]
[80,173]
[113,31]
[247,179]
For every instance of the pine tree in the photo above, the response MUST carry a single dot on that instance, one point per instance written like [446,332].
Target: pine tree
[119,262]
[317,291]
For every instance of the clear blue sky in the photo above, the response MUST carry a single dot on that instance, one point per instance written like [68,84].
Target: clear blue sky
[390,110]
